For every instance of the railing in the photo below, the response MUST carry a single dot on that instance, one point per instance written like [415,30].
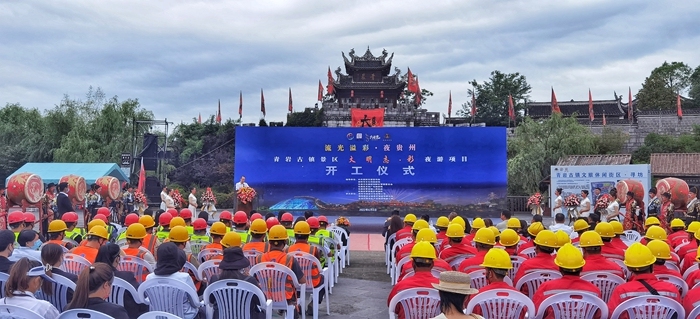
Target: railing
[517,204]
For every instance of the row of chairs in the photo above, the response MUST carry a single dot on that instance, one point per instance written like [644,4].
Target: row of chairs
[20,312]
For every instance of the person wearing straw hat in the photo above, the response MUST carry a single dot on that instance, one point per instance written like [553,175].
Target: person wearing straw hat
[454,288]
[422,260]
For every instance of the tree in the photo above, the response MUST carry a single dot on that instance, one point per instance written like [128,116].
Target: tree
[660,88]
[21,133]
[675,75]
[657,143]
[611,141]
[309,117]
[695,87]
[408,96]
[492,98]
[536,146]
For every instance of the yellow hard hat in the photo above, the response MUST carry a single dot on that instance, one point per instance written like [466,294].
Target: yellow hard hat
[697,255]
[178,234]
[513,223]
[219,228]
[455,231]
[546,238]
[423,250]
[426,234]
[697,234]
[590,239]
[605,230]
[147,221]
[420,224]
[136,231]
[96,222]
[231,239]
[99,231]
[580,225]
[617,227]
[177,221]
[459,221]
[302,228]
[655,232]
[652,221]
[485,236]
[258,226]
[638,256]
[562,238]
[57,225]
[478,223]
[497,258]
[278,232]
[693,227]
[509,238]
[495,231]
[442,221]
[569,257]
[659,249]
[409,219]
[677,223]
[535,228]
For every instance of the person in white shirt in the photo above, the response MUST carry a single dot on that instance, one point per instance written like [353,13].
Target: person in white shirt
[163,197]
[26,241]
[26,278]
[505,216]
[242,183]
[192,200]
[585,207]
[559,220]
[171,259]
[169,201]
[558,202]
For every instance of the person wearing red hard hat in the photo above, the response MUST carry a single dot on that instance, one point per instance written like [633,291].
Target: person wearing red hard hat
[287,220]
[29,222]
[255,216]
[240,221]
[111,228]
[199,237]
[16,222]
[186,214]
[164,222]
[128,221]
[73,232]
[272,221]
[227,218]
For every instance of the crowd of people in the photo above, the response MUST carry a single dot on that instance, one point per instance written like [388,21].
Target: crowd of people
[448,253]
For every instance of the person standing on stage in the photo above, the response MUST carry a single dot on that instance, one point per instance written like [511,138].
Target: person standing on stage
[163,196]
[192,200]
[93,200]
[242,183]
[63,202]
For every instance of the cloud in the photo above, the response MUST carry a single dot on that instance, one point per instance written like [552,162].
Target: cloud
[179,58]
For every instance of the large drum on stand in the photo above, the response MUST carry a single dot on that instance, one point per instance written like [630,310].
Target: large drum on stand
[678,189]
[27,187]
[630,185]
[77,188]
[109,187]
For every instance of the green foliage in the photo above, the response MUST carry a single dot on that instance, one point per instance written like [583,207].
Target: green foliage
[657,143]
[695,87]
[675,75]
[492,98]
[308,118]
[660,88]
[611,141]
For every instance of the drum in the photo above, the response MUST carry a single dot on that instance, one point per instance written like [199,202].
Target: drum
[25,186]
[109,187]
[630,185]
[76,187]
[677,187]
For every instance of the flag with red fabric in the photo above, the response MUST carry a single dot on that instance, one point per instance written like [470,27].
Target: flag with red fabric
[679,110]
[449,106]
[412,85]
[218,114]
[367,117]
[473,103]
[591,116]
[330,81]
[142,178]
[262,102]
[320,91]
[555,105]
[511,108]
[418,95]
[290,100]
[240,104]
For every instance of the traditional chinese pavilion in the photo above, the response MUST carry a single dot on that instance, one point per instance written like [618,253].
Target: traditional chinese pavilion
[615,111]
[369,84]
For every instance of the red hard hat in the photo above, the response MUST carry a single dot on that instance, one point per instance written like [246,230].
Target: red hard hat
[103,211]
[255,216]
[313,223]
[70,217]
[226,215]
[15,217]
[322,219]
[172,212]
[130,219]
[164,218]
[240,217]
[186,213]
[29,218]
[102,218]
[272,221]
[199,224]
[287,217]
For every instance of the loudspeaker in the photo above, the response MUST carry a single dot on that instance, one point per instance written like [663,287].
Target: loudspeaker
[150,152]
[153,189]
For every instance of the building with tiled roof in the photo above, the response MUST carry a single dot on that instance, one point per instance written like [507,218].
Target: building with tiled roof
[614,110]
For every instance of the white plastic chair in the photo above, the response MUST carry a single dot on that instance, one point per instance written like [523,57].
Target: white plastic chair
[196,246]
[3,280]
[190,268]
[272,278]
[83,314]
[396,270]
[529,252]
[331,261]
[516,261]
[479,280]
[632,235]
[672,266]
[502,304]
[534,279]
[334,243]
[387,251]
[136,265]
[416,303]
[678,282]
[158,315]
[695,313]
[208,269]
[340,233]
[306,263]
[119,289]
[435,272]
[625,271]
[331,274]
[454,261]
[207,254]
[606,282]
[236,298]
[74,264]
[59,295]
[18,312]
[394,249]
[575,304]
[657,307]
[166,294]
[689,271]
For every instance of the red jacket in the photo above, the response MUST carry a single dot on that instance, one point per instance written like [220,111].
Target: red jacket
[610,251]
[511,250]
[473,263]
[634,288]
[568,283]
[468,238]
[691,247]
[676,238]
[663,270]
[691,300]
[687,261]
[596,263]
[527,244]
[422,279]
[617,242]
[693,279]
[437,263]
[405,232]
[456,250]
[404,251]
[542,261]
[441,235]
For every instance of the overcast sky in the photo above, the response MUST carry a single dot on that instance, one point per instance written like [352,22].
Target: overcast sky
[179,57]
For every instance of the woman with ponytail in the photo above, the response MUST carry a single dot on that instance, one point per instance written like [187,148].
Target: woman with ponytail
[110,254]
[93,287]
[26,277]
[52,258]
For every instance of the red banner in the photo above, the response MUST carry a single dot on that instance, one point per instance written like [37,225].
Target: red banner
[367,118]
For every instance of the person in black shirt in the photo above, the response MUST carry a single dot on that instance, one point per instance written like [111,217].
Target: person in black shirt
[231,266]
[63,202]
[110,254]
[93,287]
[7,244]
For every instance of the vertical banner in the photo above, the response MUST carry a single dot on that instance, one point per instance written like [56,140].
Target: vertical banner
[367,118]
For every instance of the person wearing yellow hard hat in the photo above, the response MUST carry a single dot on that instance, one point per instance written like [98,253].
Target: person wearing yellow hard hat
[651,221]
[477,223]
[150,242]
[425,235]
[96,237]
[662,252]
[57,232]
[619,230]
[514,224]
[654,232]
[607,233]
[258,231]
[677,234]
[496,263]
[580,226]
[302,230]
[406,250]
[455,244]
[422,257]
[278,238]
[459,221]
[688,258]
[639,260]
[570,262]
[217,231]
[406,231]
[534,229]
[689,244]
[509,241]
[441,225]
[484,240]
[562,238]
[135,234]
[545,243]
[591,244]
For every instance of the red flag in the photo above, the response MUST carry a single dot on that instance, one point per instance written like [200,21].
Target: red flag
[604,122]
[412,84]
[511,108]
[630,110]
[555,105]
[218,114]
[591,116]
[262,102]
[142,178]
[449,106]
[240,104]
[330,81]
[679,110]
[367,117]
[290,100]
[418,95]
[200,118]
[320,91]
[473,103]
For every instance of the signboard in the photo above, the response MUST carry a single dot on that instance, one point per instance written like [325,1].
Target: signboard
[341,170]
[574,179]
[126,160]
